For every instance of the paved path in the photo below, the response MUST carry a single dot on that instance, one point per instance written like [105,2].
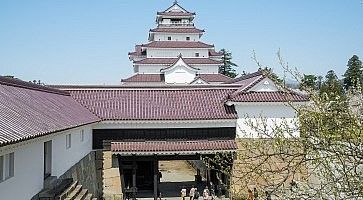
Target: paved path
[175,175]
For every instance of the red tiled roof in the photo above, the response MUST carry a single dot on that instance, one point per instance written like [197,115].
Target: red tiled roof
[247,76]
[247,81]
[169,61]
[145,78]
[29,110]
[157,104]
[214,77]
[177,44]
[172,147]
[176,13]
[278,96]
[212,52]
[28,85]
[137,52]
[177,30]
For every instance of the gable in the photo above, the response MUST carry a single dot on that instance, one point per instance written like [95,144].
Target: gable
[264,85]
[176,8]
[179,74]
[199,81]
[180,63]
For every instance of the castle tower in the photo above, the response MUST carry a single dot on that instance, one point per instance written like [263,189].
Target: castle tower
[175,54]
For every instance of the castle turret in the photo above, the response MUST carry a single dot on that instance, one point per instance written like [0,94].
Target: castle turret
[175,38]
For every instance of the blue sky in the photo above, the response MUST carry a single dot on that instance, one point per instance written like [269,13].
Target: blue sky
[87,41]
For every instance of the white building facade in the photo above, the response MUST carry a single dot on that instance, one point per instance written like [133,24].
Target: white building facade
[174,38]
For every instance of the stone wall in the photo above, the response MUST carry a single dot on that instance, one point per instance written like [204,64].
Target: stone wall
[111,182]
[85,172]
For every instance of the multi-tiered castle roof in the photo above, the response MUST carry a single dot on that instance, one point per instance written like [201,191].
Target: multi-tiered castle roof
[174,53]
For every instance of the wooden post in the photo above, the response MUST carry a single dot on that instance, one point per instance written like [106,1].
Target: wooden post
[208,177]
[134,166]
[156,177]
[122,179]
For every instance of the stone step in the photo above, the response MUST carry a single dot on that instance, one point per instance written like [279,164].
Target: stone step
[88,197]
[74,193]
[82,195]
[68,191]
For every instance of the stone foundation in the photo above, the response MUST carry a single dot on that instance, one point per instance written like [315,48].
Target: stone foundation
[85,172]
[111,186]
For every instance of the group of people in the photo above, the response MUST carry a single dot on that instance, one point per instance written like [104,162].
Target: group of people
[194,193]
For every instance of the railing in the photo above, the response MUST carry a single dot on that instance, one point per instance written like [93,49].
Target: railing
[176,24]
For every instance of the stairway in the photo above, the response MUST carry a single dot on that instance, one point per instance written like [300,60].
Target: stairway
[76,192]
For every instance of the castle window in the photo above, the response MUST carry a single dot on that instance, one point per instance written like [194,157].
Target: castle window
[169,38]
[81,134]
[188,38]
[68,141]
[6,166]
[196,54]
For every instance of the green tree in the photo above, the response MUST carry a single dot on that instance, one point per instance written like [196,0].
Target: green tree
[323,162]
[227,67]
[331,88]
[353,77]
[309,81]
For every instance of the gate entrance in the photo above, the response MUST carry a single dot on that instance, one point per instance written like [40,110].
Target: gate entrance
[147,170]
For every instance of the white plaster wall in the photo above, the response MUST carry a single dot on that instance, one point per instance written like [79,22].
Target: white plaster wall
[63,158]
[155,69]
[273,115]
[179,75]
[28,172]
[186,53]
[175,37]
[150,69]
[28,162]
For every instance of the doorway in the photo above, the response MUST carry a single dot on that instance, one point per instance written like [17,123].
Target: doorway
[47,159]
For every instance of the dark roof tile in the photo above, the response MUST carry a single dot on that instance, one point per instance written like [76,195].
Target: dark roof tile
[157,104]
[214,77]
[28,111]
[177,44]
[194,146]
[278,96]
[177,30]
[169,61]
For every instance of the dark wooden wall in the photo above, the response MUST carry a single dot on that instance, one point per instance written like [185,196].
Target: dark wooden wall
[99,135]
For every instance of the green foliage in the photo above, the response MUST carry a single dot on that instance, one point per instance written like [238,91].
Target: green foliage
[331,88]
[325,161]
[309,81]
[227,67]
[353,77]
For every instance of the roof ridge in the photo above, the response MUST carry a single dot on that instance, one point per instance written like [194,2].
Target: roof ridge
[247,76]
[14,82]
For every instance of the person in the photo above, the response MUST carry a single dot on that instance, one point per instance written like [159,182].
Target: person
[206,193]
[159,194]
[255,193]
[219,190]
[250,195]
[160,175]
[268,195]
[191,193]
[196,194]
[183,192]
[211,190]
